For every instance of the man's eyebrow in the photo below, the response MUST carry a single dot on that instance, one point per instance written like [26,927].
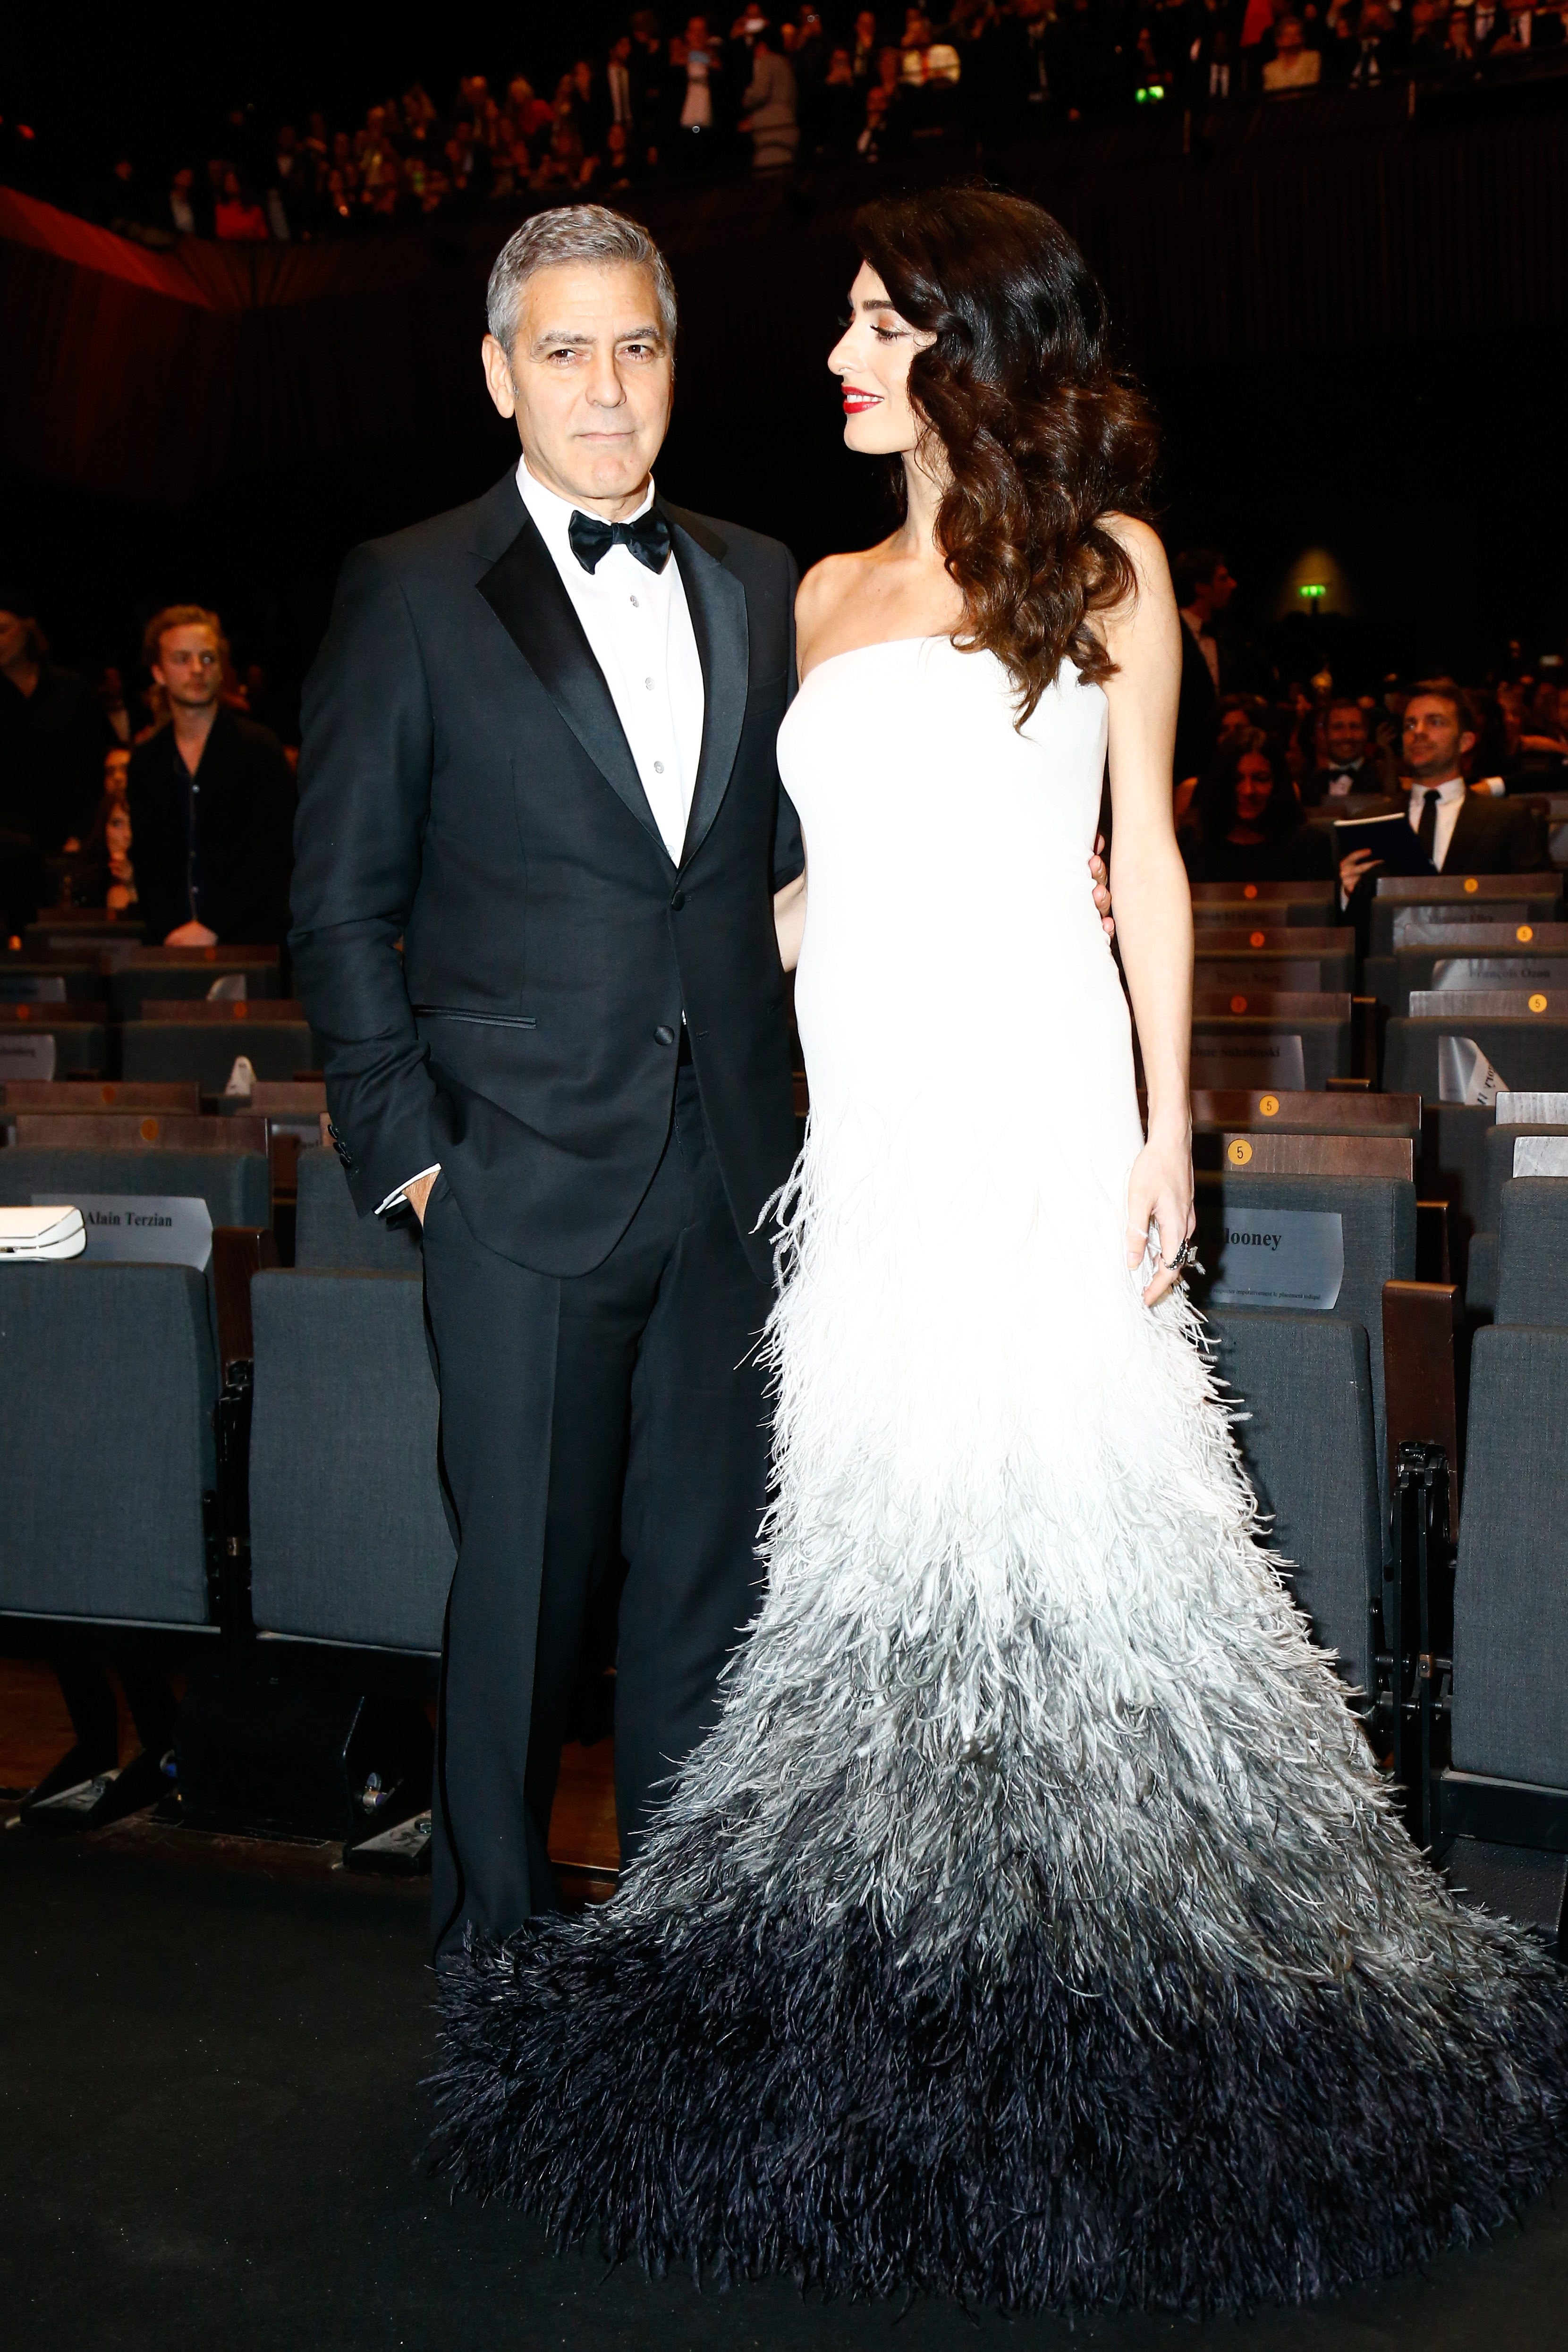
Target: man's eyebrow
[577,338]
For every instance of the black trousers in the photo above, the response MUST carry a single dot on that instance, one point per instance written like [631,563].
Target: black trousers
[610,1416]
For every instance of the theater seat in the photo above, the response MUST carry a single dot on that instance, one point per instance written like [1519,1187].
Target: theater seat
[329,1231]
[108,1380]
[1532,1257]
[236,1185]
[1497,1171]
[1309,1445]
[160,974]
[1377,1225]
[349,1538]
[200,1041]
[1459,898]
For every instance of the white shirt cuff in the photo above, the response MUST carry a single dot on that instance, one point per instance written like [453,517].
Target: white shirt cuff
[398,1200]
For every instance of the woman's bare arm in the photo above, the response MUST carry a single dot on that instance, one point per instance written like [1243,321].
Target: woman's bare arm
[1153,905]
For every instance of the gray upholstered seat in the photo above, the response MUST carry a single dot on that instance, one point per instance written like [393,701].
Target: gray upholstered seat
[129,988]
[329,1231]
[107,1386]
[1497,1170]
[1531,1052]
[236,1185]
[1377,1215]
[179,1049]
[349,1537]
[1307,1441]
[1533,1258]
[1510,1610]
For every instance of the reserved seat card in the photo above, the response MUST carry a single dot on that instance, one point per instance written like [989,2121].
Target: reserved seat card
[146,1228]
[1274,1257]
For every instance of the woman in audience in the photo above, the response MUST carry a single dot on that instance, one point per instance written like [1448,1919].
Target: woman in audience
[1249,824]
[108,876]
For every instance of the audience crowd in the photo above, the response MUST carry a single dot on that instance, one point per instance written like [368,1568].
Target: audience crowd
[774,91]
[102,789]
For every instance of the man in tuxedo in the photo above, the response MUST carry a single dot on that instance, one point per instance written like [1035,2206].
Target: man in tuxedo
[1205,586]
[1461,831]
[1353,764]
[539,755]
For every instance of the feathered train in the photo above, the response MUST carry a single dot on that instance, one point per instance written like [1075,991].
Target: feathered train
[1033,1926]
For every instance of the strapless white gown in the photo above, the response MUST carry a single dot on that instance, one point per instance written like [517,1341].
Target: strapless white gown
[1034,1925]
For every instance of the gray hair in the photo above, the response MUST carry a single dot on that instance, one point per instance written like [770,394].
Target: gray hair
[572,232]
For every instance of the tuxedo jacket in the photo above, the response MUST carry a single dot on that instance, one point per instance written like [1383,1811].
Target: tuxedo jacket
[1496,836]
[245,818]
[466,795]
[1197,712]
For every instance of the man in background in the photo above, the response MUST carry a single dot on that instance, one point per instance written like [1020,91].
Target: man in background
[1203,587]
[1352,763]
[1461,831]
[53,737]
[211,798]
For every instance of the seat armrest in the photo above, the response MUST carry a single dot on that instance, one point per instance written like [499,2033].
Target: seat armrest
[238,1252]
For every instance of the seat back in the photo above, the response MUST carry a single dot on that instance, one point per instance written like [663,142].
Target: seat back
[330,1233]
[108,1381]
[348,1535]
[1262,955]
[1246,1038]
[93,1097]
[1527,1048]
[1309,1446]
[234,1185]
[171,1039]
[188,974]
[1378,1230]
[1533,1254]
[1510,1596]
[1457,897]
[25,980]
[51,1041]
[1231,905]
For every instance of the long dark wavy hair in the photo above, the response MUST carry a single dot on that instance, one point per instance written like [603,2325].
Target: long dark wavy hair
[1041,435]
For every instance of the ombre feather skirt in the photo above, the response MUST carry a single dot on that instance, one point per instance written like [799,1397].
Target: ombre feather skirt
[1034,1926]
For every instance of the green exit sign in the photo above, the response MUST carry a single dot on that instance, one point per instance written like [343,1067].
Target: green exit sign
[1312,590]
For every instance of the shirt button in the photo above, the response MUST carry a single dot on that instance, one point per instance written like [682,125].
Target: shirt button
[648,683]
[664,1034]
[659,767]
[633,604]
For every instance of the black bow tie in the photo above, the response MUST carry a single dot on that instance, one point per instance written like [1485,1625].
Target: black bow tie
[647,539]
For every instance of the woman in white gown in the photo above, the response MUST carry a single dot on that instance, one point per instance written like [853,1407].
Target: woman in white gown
[1034,1925]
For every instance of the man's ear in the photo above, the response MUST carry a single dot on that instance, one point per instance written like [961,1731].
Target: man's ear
[1467,745]
[498,376]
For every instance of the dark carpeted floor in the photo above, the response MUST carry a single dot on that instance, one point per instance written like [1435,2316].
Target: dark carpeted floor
[208,2119]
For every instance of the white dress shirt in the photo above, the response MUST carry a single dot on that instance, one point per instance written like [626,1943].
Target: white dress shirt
[639,625]
[1450,801]
[639,628]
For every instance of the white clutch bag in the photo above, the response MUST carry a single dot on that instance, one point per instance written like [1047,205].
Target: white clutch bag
[41,1232]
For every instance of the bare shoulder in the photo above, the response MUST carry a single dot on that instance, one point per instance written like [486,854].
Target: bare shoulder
[821,597]
[1143,620]
[824,588]
[1141,545]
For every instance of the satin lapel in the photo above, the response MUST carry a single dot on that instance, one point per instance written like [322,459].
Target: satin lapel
[523,591]
[717,602]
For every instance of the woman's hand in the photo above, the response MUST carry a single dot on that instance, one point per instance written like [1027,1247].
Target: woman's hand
[1100,888]
[1159,1193]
